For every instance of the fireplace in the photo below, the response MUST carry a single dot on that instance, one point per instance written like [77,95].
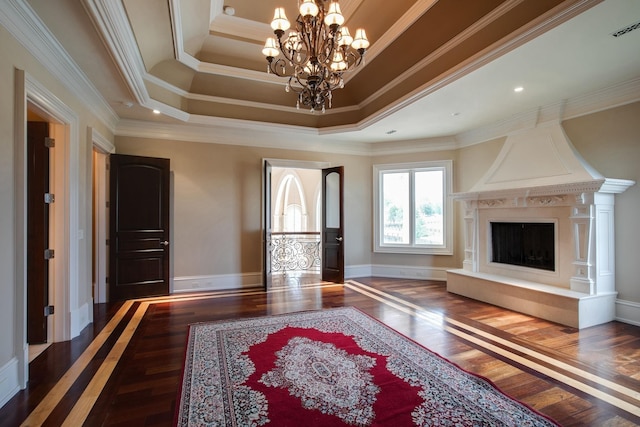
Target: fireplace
[524,244]
[539,232]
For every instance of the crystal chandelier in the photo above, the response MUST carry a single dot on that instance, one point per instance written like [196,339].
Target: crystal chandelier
[315,53]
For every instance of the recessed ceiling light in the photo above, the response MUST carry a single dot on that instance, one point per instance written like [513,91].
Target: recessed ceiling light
[156,111]
[518,89]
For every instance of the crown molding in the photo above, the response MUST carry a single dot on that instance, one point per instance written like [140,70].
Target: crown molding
[101,142]
[111,18]
[225,70]
[197,128]
[240,27]
[175,15]
[26,27]
[604,99]
[232,101]
[216,8]
[248,135]
[414,146]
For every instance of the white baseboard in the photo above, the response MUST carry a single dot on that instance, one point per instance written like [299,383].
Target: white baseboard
[408,272]
[395,271]
[9,384]
[628,312]
[216,282]
[246,280]
[351,271]
[80,318]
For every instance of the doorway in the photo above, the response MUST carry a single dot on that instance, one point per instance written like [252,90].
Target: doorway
[69,316]
[39,253]
[296,217]
[295,200]
[102,148]
[45,224]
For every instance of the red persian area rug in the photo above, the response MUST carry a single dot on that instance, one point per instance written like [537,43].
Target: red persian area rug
[329,368]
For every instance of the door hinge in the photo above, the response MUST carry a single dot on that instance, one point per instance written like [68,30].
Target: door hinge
[107,203]
[107,242]
[49,198]
[48,310]
[49,142]
[49,254]
[106,279]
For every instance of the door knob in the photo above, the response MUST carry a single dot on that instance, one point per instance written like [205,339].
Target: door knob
[339,238]
[165,243]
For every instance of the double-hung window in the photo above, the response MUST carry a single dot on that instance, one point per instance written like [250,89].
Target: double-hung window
[413,212]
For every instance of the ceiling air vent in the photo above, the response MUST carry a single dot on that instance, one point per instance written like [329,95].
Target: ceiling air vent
[622,31]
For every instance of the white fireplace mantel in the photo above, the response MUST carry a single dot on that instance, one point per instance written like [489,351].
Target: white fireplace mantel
[538,176]
[589,208]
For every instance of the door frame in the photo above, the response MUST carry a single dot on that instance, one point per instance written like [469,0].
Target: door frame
[102,148]
[64,277]
[279,163]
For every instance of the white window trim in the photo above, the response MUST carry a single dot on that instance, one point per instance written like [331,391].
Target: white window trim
[447,247]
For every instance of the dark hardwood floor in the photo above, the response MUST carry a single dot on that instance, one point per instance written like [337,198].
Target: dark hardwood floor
[125,368]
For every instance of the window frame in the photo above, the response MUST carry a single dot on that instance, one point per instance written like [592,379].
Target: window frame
[446,248]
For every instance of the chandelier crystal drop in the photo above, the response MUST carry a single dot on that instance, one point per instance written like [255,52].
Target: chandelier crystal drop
[316,53]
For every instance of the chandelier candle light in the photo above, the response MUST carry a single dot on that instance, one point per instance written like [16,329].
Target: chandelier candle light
[316,53]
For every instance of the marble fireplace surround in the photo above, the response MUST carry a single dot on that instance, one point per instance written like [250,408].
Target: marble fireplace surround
[538,176]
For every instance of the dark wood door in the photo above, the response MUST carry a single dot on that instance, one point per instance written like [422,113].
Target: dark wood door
[37,231]
[266,246]
[333,225]
[139,227]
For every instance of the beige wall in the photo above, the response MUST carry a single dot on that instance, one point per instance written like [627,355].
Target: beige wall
[217,203]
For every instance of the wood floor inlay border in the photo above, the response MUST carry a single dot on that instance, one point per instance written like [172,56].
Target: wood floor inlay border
[535,360]
[39,415]
[88,398]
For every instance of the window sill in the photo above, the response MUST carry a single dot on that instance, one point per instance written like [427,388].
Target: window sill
[416,251]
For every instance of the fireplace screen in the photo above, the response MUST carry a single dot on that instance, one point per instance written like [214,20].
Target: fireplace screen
[524,244]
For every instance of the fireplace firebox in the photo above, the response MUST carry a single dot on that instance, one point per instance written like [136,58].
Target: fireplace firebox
[524,244]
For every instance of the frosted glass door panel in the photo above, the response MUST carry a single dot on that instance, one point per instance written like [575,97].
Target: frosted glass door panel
[332,206]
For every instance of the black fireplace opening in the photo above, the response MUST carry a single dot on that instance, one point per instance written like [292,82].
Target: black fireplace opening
[526,244]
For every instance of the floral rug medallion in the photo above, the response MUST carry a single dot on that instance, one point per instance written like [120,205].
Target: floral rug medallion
[326,378]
